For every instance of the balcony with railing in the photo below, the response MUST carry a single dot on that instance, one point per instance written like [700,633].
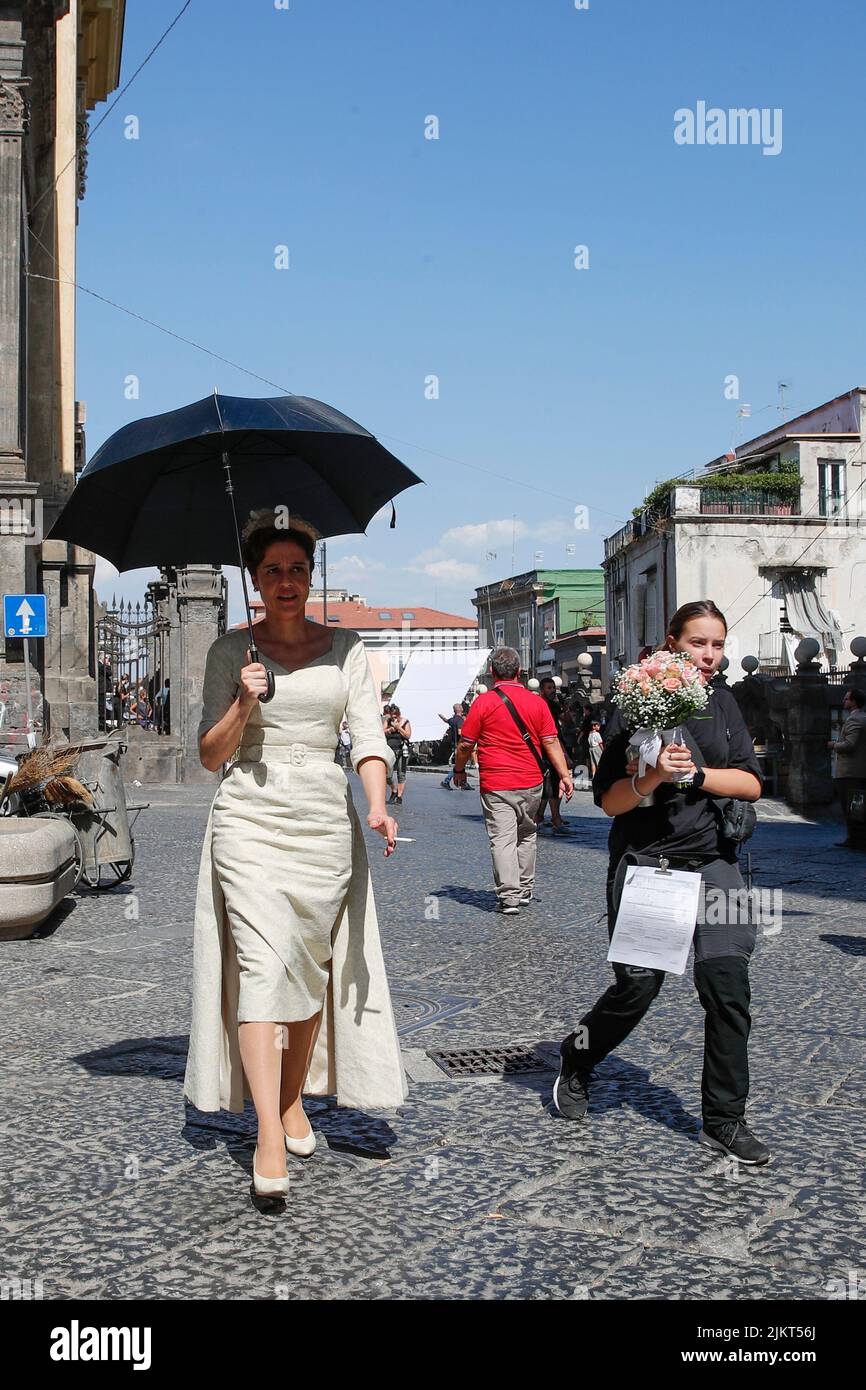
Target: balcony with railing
[620,539]
[753,495]
[746,501]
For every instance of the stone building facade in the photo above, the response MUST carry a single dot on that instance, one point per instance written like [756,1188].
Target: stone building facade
[58,60]
[530,611]
[775,534]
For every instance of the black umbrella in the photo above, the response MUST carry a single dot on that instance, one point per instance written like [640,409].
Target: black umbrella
[155,492]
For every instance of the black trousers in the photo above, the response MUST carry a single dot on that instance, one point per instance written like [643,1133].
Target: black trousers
[721,975]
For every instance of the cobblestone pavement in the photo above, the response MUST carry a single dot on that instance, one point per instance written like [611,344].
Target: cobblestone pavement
[114,1187]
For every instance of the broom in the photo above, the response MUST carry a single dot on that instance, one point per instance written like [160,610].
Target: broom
[47,767]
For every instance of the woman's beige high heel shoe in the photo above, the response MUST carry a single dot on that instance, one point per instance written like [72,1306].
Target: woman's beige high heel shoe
[302,1147]
[269,1187]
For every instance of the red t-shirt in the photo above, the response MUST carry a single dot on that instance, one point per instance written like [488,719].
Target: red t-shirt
[504,761]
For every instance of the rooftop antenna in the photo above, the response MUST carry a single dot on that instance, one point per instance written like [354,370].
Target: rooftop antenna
[782,408]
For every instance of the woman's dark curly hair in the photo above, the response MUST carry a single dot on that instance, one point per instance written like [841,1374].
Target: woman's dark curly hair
[260,531]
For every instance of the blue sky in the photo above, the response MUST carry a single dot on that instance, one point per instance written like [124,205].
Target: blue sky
[411,257]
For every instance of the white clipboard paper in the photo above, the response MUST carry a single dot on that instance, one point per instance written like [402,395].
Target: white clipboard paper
[656,918]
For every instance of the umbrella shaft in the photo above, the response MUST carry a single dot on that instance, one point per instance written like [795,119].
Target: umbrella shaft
[231,493]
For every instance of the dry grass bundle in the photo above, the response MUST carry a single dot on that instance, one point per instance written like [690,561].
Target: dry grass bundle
[42,764]
[66,791]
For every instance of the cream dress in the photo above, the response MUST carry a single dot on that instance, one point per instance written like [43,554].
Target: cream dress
[285,921]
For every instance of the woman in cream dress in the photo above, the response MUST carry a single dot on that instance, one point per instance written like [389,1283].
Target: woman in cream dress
[289,986]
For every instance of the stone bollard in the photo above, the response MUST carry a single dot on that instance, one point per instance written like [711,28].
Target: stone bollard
[858,665]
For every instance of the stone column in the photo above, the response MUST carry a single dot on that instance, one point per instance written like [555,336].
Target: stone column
[12,120]
[19,513]
[808,733]
[201,603]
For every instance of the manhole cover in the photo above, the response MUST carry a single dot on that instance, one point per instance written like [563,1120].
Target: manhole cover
[489,1061]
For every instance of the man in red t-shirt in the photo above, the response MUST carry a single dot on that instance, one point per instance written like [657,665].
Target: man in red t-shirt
[510,773]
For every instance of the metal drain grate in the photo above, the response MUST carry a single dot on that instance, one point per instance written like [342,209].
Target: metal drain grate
[489,1061]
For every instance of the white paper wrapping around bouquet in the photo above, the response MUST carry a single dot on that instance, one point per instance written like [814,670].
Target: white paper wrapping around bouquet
[648,742]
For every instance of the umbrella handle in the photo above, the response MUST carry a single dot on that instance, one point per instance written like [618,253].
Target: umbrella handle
[272,685]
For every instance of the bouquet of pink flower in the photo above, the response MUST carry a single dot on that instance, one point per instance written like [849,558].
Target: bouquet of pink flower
[656,696]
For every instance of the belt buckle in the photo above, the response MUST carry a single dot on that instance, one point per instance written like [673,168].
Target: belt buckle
[298,752]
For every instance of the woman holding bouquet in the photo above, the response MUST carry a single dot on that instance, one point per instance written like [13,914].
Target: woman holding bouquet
[654,816]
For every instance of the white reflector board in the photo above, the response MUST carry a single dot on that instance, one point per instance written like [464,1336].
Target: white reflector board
[431,683]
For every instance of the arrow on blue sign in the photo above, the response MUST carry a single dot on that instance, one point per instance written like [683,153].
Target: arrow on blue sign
[25,615]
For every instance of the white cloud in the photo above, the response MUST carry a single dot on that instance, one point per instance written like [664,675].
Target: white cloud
[426,556]
[451,571]
[480,536]
[483,535]
[352,567]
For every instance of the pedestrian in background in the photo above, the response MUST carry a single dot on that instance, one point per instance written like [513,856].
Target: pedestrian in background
[568,736]
[142,708]
[398,732]
[849,772]
[163,709]
[455,724]
[550,791]
[344,745]
[514,733]
[596,746]
[121,700]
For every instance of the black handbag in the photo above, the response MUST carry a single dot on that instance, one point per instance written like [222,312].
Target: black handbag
[737,819]
[544,766]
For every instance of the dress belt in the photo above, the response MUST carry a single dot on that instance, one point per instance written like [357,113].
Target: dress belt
[294,754]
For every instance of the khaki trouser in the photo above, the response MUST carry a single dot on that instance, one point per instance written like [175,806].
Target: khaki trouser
[510,820]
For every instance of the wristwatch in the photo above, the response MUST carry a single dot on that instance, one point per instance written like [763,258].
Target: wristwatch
[699,778]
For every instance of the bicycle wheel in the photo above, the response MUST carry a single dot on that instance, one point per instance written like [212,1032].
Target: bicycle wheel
[79,843]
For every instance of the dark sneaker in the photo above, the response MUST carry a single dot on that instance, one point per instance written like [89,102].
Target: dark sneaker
[571,1087]
[510,909]
[735,1139]
[447,786]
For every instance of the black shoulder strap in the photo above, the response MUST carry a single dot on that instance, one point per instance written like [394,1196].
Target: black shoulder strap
[524,732]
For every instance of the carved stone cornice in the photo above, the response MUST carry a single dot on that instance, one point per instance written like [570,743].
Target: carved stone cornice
[13,107]
[81,136]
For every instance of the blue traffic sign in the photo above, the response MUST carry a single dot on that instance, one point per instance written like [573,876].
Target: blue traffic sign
[25,615]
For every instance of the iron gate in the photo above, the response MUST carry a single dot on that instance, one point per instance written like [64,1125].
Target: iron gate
[134,669]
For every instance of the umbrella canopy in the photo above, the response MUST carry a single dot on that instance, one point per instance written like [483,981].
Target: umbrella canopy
[155,492]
